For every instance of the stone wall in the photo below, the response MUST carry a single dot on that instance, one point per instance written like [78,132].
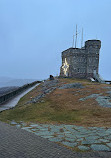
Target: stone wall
[81,62]
[12,94]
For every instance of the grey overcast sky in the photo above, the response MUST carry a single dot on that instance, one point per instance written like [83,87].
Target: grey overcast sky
[33,33]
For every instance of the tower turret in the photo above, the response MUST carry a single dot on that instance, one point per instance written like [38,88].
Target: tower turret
[92,49]
[93,46]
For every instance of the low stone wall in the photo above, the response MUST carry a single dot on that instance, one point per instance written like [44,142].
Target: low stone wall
[12,94]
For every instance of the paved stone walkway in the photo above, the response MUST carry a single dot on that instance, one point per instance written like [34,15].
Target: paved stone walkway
[77,137]
[13,102]
[18,143]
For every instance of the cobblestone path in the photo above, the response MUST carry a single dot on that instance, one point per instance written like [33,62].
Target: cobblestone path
[18,143]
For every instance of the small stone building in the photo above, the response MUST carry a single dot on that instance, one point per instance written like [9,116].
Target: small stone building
[81,62]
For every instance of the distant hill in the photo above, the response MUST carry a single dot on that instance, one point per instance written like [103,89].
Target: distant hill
[9,82]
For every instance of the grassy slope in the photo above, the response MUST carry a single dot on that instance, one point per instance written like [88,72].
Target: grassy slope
[63,106]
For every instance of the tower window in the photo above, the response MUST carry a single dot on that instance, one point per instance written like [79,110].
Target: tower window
[78,70]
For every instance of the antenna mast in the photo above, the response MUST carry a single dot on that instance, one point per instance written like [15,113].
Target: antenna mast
[76,37]
[82,39]
[73,42]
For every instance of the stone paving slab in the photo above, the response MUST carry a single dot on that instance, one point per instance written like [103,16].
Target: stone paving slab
[104,101]
[90,138]
[18,143]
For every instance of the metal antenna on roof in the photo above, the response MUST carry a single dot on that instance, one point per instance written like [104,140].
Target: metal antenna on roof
[76,37]
[73,42]
[82,39]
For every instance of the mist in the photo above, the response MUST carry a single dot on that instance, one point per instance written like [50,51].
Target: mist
[34,33]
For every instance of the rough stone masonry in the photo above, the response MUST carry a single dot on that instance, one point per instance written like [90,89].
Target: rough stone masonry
[81,62]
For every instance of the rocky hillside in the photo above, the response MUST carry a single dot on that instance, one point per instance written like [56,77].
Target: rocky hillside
[71,101]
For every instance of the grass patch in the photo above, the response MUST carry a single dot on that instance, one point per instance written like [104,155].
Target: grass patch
[41,112]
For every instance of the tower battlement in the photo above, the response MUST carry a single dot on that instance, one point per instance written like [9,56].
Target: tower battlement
[93,43]
[81,62]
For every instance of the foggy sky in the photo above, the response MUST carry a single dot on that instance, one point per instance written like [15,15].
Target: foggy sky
[33,33]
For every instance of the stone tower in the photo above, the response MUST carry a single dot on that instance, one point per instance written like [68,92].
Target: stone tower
[81,62]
